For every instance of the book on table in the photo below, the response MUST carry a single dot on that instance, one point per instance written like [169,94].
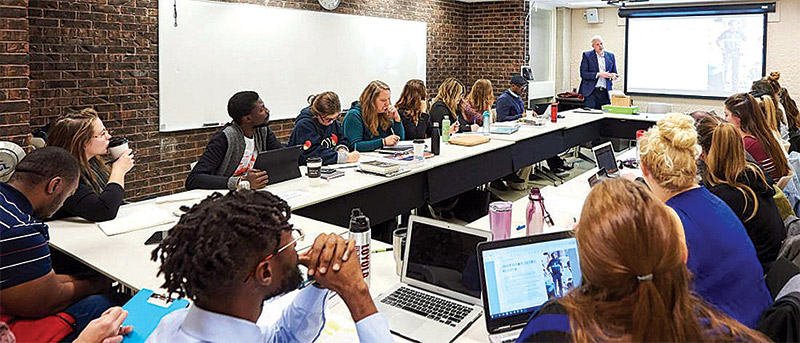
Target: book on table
[379,167]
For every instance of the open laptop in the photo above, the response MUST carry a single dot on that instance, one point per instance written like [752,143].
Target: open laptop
[605,159]
[519,275]
[439,293]
[280,164]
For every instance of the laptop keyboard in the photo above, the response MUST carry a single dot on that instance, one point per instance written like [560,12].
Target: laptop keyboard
[428,306]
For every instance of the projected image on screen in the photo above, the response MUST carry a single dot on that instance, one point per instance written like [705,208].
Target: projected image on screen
[712,56]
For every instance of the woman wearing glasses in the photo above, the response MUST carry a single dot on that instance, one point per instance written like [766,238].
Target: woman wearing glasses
[101,189]
[317,129]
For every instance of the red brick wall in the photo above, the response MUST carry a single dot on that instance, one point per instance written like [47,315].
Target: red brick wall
[14,72]
[104,54]
[496,43]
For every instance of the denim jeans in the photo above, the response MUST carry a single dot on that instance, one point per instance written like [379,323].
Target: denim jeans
[89,308]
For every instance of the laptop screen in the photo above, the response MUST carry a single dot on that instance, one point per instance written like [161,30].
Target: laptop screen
[520,278]
[605,158]
[445,258]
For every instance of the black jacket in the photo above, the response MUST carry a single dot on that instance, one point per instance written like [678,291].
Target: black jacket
[423,129]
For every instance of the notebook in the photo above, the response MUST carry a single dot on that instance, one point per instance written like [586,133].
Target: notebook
[136,217]
[145,311]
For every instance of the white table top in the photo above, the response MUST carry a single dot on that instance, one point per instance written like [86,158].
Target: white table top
[125,257]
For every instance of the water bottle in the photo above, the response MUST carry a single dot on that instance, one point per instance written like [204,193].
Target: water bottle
[436,143]
[445,129]
[534,216]
[362,234]
[486,119]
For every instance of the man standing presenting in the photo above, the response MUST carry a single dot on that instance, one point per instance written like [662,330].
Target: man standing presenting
[598,69]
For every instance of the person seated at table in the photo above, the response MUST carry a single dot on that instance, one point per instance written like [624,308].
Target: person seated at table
[413,110]
[741,185]
[317,129]
[721,256]
[101,190]
[372,122]
[510,105]
[636,287]
[743,111]
[479,100]
[231,153]
[447,104]
[31,290]
[230,253]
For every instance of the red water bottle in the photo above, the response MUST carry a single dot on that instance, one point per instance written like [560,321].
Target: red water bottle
[554,112]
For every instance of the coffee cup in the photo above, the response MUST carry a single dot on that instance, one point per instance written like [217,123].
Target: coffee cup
[314,165]
[117,146]
[419,149]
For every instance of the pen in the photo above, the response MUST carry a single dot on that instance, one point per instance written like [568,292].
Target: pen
[383,250]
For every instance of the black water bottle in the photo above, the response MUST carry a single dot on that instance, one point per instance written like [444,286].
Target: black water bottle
[436,140]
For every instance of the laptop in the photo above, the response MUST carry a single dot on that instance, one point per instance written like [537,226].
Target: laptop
[439,293]
[280,164]
[519,275]
[605,159]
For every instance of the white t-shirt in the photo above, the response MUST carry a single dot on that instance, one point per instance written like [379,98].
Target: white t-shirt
[248,158]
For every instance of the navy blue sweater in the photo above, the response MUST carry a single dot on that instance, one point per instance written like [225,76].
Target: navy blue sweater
[509,107]
[318,140]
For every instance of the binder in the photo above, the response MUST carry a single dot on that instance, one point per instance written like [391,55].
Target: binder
[145,311]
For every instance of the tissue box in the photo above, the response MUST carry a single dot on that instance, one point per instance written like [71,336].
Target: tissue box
[621,109]
[621,100]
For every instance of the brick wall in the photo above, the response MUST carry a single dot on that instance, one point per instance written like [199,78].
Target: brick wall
[14,95]
[496,42]
[103,54]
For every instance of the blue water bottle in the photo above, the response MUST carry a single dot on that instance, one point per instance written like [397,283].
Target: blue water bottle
[486,118]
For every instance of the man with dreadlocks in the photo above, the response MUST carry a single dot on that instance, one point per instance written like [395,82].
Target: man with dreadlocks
[231,253]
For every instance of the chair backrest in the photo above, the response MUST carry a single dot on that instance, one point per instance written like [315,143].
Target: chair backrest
[659,108]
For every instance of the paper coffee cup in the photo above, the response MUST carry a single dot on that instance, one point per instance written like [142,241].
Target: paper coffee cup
[117,146]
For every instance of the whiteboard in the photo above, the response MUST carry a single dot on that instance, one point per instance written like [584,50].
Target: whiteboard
[218,49]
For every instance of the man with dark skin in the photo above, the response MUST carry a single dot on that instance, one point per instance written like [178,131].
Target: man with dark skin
[231,253]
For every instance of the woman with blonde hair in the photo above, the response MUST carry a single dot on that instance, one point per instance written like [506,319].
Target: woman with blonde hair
[743,111]
[372,122]
[742,185]
[479,99]
[721,256]
[775,122]
[101,190]
[636,287]
[413,110]
[448,104]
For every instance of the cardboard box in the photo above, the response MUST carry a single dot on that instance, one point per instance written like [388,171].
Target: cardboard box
[621,100]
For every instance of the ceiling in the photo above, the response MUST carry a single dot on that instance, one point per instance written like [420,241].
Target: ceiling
[603,3]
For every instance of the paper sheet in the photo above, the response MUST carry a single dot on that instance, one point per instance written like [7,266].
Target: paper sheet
[136,217]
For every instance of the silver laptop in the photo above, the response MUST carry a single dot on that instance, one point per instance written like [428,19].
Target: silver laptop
[519,275]
[605,159]
[439,293]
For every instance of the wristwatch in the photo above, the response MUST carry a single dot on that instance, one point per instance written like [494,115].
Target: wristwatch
[243,185]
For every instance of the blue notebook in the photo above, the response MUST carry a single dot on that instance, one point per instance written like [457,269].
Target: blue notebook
[145,311]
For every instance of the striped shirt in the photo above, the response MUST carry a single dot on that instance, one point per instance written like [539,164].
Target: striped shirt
[756,149]
[24,253]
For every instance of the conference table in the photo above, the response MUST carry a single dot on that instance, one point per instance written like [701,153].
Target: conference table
[326,208]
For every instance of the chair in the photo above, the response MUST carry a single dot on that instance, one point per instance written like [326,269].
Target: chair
[659,108]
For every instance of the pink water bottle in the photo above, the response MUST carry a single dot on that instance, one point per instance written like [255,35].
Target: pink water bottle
[500,219]
[536,214]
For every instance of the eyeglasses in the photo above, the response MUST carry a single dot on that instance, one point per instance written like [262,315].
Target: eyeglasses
[103,134]
[297,236]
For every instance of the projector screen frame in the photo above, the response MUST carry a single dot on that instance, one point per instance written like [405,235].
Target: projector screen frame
[694,11]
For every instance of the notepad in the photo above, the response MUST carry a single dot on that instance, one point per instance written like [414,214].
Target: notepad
[136,217]
[145,311]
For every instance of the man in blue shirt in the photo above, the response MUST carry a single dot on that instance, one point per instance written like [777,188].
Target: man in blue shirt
[31,289]
[231,253]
